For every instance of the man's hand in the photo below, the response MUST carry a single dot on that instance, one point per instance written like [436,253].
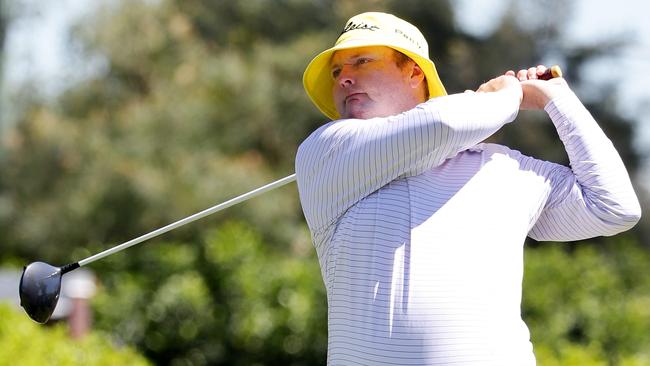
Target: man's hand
[505,83]
[537,93]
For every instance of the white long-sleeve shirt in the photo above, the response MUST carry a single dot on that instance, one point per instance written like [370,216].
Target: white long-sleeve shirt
[419,231]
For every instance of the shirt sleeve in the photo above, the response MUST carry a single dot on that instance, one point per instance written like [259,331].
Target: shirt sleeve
[346,160]
[595,196]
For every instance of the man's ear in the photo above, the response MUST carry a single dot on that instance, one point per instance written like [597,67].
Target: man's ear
[417,76]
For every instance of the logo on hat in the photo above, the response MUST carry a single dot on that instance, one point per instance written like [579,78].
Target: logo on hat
[354,26]
[409,38]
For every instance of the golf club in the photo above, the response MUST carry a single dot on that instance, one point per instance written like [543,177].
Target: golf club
[40,283]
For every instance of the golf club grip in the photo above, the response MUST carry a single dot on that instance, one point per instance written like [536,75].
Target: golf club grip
[552,72]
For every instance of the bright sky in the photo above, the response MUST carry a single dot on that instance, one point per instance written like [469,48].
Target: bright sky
[596,20]
[37,45]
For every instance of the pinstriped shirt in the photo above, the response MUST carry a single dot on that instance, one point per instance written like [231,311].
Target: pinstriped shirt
[419,228]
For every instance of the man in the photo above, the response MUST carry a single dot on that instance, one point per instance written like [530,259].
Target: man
[419,229]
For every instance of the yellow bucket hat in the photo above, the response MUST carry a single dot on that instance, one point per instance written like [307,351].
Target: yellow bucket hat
[369,29]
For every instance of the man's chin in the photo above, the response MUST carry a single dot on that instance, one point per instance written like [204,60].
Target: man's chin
[360,113]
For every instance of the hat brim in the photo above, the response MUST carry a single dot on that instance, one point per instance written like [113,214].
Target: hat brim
[318,81]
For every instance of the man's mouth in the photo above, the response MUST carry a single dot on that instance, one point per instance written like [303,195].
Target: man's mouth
[352,97]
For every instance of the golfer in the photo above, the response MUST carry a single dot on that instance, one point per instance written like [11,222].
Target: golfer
[418,226]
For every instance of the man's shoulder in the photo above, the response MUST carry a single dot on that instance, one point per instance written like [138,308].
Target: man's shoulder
[327,136]
[316,145]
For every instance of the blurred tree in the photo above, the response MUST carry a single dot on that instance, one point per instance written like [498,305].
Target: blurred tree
[27,343]
[596,301]
[198,101]
[228,300]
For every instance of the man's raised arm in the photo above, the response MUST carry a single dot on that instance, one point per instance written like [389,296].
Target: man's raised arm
[595,196]
[346,160]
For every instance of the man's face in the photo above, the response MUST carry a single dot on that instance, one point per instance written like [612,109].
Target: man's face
[368,83]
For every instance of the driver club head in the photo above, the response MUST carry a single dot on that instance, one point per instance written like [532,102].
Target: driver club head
[40,285]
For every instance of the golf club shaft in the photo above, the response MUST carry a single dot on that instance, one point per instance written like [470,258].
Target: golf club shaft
[187,220]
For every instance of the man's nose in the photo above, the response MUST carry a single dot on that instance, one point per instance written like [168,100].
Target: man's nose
[346,76]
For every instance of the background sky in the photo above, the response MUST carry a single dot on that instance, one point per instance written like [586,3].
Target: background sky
[593,21]
[38,47]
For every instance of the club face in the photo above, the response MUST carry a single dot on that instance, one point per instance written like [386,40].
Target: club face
[39,289]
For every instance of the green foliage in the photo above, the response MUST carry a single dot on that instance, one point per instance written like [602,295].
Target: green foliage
[27,343]
[589,302]
[229,299]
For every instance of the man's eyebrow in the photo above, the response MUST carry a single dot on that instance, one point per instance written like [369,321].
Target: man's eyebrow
[356,55]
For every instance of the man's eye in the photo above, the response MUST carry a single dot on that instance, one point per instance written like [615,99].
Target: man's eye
[362,61]
[336,73]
